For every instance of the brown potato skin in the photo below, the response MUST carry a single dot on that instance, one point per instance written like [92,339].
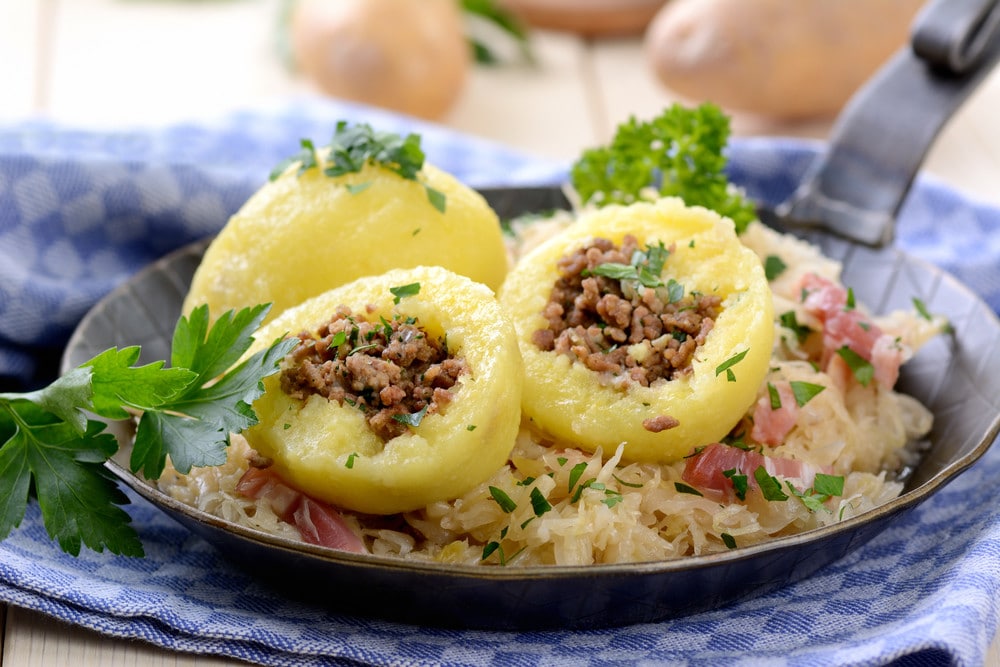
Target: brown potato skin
[788,60]
[407,55]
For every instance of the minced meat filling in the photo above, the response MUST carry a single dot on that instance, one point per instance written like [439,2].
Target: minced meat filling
[390,369]
[618,327]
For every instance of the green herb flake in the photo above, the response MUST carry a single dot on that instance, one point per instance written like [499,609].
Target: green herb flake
[503,500]
[402,291]
[575,473]
[770,487]
[727,365]
[805,391]
[862,369]
[411,419]
[539,504]
[350,460]
[681,487]
[728,540]
[775,397]
[627,484]
[562,461]
[774,266]
[470,427]
[828,485]
[790,321]
[921,309]
[739,481]
[358,188]
[354,146]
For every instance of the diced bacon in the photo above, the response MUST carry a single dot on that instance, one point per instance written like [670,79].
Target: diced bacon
[321,524]
[843,326]
[770,425]
[318,523]
[706,470]
[887,357]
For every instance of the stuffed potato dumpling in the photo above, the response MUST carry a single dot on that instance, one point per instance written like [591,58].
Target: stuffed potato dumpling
[405,390]
[649,324]
[306,232]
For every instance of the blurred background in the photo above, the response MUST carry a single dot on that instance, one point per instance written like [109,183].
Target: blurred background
[549,77]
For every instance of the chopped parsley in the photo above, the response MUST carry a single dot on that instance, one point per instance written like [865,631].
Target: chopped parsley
[575,473]
[354,146]
[350,460]
[770,487]
[790,321]
[412,419]
[774,266]
[503,500]
[681,487]
[402,291]
[824,487]
[644,268]
[727,365]
[739,481]
[728,540]
[805,391]
[539,503]
[862,369]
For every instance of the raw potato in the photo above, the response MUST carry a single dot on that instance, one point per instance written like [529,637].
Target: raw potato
[774,57]
[449,453]
[304,234]
[593,18]
[406,55]
[566,400]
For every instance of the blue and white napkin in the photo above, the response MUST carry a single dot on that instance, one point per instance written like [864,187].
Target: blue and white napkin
[80,211]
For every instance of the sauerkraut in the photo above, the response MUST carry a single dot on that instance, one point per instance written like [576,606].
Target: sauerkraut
[819,417]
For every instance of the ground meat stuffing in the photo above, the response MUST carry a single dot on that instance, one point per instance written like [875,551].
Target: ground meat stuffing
[393,371]
[620,328]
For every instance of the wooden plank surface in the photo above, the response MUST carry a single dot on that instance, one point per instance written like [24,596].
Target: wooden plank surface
[112,62]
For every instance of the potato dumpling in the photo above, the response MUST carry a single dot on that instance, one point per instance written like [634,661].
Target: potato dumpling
[303,234]
[706,269]
[329,449]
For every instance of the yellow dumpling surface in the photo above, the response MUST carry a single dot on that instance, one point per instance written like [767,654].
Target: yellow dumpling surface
[329,451]
[569,401]
[305,233]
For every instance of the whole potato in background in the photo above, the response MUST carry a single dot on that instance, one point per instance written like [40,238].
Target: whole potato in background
[777,58]
[407,55]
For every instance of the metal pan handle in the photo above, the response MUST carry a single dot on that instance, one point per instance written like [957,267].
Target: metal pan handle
[880,140]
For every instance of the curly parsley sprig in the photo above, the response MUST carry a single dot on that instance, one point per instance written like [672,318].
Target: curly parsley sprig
[679,153]
[49,442]
[354,146]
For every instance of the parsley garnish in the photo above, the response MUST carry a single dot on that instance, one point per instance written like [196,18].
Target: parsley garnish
[575,473]
[681,487]
[539,504]
[350,460]
[679,153]
[503,500]
[727,365]
[728,540]
[775,397]
[770,487]
[862,369]
[739,481]
[790,321]
[49,443]
[403,291]
[354,146]
[805,391]
[644,267]
[411,419]
[921,308]
[773,267]
[824,487]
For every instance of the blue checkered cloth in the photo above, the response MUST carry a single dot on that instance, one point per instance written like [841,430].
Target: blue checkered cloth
[80,211]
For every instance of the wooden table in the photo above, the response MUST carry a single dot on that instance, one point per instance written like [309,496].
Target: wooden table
[113,63]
